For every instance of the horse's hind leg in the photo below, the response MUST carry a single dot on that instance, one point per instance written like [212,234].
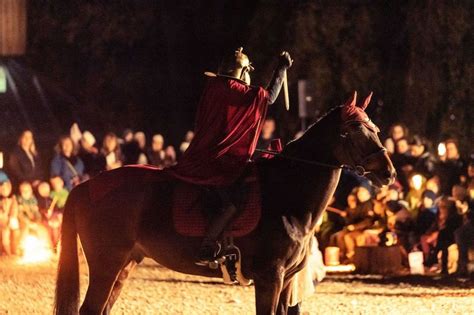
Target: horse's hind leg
[118,285]
[104,269]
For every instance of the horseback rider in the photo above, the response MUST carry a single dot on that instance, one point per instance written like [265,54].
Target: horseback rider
[228,123]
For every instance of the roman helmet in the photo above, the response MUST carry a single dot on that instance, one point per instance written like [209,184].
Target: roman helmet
[236,66]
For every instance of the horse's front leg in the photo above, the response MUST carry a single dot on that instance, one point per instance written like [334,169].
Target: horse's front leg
[268,286]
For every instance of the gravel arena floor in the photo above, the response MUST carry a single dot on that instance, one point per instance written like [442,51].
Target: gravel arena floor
[152,289]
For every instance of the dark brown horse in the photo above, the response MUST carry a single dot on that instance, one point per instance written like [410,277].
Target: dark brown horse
[134,221]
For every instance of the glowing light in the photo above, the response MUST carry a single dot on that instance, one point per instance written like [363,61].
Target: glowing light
[417,181]
[3,80]
[340,268]
[441,149]
[35,250]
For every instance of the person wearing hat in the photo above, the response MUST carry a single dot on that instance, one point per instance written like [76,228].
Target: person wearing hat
[228,123]
[94,162]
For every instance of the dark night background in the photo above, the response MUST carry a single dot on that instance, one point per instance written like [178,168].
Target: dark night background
[140,64]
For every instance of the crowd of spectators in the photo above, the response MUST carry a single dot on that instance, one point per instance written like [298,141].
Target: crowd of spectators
[33,192]
[429,207]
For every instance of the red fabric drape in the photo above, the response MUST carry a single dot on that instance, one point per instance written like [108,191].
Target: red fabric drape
[228,124]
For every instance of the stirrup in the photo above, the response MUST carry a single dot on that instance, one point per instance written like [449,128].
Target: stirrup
[206,258]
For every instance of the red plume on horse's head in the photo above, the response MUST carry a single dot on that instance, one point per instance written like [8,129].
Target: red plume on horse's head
[352,112]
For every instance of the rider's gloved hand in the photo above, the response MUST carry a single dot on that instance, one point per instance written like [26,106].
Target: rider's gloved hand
[285,60]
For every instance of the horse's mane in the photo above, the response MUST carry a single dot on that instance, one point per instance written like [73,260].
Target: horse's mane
[319,122]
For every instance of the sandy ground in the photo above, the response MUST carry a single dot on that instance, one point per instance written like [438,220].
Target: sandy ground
[29,289]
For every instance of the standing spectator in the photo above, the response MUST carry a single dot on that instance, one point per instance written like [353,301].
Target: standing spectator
[157,152]
[400,221]
[452,169]
[94,163]
[66,164]
[140,138]
[186,142]
[111,151]
[397,132]
[464,235]
[441,235]
[9,225]
[25,162]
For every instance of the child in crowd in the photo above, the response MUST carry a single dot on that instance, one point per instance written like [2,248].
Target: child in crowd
[60,193]
[51,217]
[28,213]
[9,226]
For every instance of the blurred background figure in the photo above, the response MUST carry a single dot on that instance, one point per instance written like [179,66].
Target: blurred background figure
[266,137]
[157,152]
[59,192]
[140,138]
[66,164]
[29,215]
[51,217]
[170,156]
[422,160]
[9,224]
[452,169]
[186,142]
[397,131]
[24,162]
[94,163]
[111,151]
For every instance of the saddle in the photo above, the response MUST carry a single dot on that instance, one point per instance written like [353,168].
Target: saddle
[191,204]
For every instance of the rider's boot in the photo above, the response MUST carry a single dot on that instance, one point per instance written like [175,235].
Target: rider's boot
[210,247]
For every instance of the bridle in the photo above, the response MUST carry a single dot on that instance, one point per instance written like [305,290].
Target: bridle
[356,166]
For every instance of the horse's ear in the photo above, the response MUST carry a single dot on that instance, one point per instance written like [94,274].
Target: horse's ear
[366,101]
[351,102]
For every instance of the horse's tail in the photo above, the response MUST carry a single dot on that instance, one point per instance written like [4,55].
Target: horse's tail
[67,283]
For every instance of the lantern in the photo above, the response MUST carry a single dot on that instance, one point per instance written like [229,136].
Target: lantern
[415,260]
[12,27]
[331,256]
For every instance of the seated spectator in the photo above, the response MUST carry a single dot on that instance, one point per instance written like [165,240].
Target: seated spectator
[402,162]
[51,217]
[331,222]
[25,162]
[67,165]
[358,219]
[433,185]
[28,211]
[399,220]
[9,225]
[94,163]
[111,152]
[452,169]
[427,213]
[416,184]
[397,132]
[441,235]
[140,138]
[422,160]
[170,156]
[157,152]
[186,142]
[59,193]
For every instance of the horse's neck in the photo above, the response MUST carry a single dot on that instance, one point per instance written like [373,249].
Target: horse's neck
[307,188]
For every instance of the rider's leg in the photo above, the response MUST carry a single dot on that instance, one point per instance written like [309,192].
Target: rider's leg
[210,246]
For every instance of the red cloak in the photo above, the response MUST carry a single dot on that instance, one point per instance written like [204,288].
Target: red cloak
[228,124]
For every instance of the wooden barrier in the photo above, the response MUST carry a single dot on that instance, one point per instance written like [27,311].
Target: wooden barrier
[378,260]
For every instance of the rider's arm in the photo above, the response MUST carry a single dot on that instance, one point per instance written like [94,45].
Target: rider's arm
[276,82]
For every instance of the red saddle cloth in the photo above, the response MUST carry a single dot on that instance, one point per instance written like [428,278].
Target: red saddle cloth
[187,203]
[188,208]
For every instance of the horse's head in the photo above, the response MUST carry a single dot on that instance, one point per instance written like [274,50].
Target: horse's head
[360,146]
